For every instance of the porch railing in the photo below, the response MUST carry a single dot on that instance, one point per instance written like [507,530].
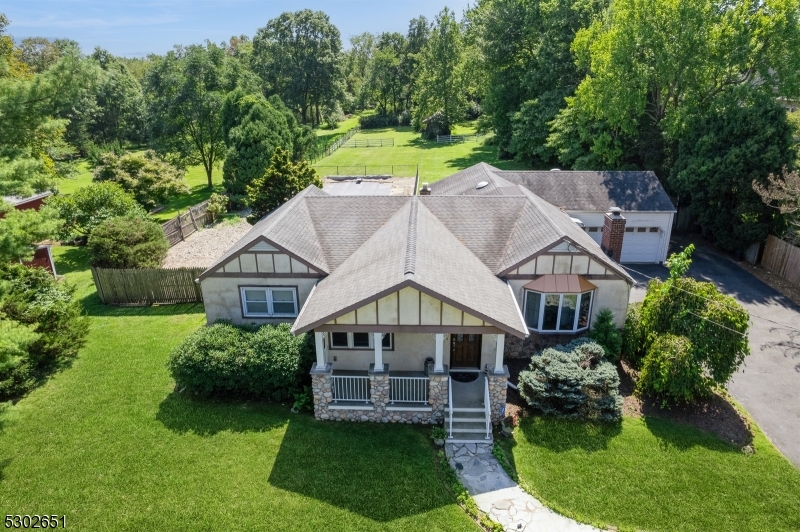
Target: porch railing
[408,390]
[487,408]
[350,388]
[450,403]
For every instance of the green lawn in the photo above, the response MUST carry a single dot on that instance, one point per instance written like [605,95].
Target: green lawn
[435,160]
[651,474]
[195,178]
[109,443]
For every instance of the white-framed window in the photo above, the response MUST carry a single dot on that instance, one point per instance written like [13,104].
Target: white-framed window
[346,340]
[557,312]
[269,302]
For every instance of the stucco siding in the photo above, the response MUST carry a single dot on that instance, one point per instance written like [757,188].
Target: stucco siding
[222,300]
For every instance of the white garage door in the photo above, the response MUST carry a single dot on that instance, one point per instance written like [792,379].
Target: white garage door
[641,245]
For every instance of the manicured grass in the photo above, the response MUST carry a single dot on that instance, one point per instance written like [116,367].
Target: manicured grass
[109,443]
[195,178]
[435,160]
[652,474]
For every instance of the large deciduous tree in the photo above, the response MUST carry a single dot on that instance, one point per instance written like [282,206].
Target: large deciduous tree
[298,57]
[185,91]
[440,83]
[150,179]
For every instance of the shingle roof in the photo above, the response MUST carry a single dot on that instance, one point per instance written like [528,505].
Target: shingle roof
[413,249]
[592,191]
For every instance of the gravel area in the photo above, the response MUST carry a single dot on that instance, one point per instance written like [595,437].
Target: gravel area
[203,247]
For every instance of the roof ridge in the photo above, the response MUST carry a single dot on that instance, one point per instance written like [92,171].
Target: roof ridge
[411,240]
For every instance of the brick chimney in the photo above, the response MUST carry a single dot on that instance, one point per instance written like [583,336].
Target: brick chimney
[425,190]
[613,233]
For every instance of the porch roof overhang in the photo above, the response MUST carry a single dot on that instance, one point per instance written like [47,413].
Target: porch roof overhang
[560,284]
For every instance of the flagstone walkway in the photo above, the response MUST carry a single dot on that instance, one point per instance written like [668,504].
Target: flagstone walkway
[500,497]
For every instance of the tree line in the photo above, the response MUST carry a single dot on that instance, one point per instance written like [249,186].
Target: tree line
[694,90]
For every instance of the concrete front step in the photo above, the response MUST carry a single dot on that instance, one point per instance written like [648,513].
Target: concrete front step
[469,437]
[463,409]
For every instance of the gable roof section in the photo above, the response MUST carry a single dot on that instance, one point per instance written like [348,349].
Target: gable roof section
[595,191]
[413,249]
[591,191]
[464,183]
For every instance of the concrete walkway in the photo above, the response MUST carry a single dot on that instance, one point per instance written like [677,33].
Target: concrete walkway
[499,496]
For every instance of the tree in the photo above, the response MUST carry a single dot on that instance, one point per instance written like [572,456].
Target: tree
[253,130]
[440,84]
[186,90]
[354,69]
[298,57]
[20,230]
[605,333]
[119,114]
[282,180]
[653,63]
[127,242]
[737,140]
[91,205]
[217,206]
[783,193]
[688,337]
[529,67]
[150,179]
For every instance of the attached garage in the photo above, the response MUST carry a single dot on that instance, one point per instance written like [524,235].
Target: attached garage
[642,244]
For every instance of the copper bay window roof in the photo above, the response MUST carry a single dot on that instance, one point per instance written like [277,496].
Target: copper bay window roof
[561,284]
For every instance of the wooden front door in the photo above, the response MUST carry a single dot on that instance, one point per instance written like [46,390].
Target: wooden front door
[465,351]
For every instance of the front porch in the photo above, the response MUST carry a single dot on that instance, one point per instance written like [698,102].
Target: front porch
[429,396]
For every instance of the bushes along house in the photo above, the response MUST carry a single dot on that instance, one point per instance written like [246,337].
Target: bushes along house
[267,362]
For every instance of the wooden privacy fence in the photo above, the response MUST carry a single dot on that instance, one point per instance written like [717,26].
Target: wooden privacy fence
[782,258]
[370,143]
[147,286]
[183,225]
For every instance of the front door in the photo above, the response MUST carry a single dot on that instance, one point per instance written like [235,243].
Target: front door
[465,351]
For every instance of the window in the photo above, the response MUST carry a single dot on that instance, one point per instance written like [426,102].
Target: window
[641,229]
[629,229]
[654,229]
[343,340]
[557,312]
[593,229]
[258,302]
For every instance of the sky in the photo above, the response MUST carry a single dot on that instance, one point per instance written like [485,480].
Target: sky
[137,28]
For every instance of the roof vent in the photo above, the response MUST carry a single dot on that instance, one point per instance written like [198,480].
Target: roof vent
[555,169]
[481,185]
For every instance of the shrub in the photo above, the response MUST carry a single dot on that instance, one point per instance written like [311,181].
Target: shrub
[573,381]
[149,178]
[128,242]
[436,124]
[605,333]
[671,371]
[385,120]
[282,180]
[633,336]
[217,206]
[714,326]
[267,362]
[90,206]
[333,115]
[41,326]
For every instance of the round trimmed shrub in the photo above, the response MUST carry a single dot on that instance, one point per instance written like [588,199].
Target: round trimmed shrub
[267,362]
[573,381]
[128,242]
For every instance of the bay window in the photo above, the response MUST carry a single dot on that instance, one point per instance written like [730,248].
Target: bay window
[557,312]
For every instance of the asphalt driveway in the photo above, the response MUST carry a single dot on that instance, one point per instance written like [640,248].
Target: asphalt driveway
[768,385]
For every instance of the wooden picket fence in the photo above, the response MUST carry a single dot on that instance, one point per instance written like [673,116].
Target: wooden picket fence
[147,286]
[183,225]
[782,258]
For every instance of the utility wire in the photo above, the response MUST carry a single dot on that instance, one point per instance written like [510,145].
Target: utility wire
[716,302]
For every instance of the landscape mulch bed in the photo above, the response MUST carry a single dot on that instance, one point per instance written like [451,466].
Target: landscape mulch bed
[715,414]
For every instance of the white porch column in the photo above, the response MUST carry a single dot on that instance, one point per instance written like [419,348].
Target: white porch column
[498,356]
[377,339]
[319,340]
[438,366]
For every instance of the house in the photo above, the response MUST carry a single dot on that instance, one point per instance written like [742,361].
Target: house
[42,257]
[587,196]
[415,301]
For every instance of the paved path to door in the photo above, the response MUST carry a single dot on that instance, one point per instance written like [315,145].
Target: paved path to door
[768,385]
[499,496]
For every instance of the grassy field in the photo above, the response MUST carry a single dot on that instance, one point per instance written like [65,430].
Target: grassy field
[111,445]
[435,160]
[651,474]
